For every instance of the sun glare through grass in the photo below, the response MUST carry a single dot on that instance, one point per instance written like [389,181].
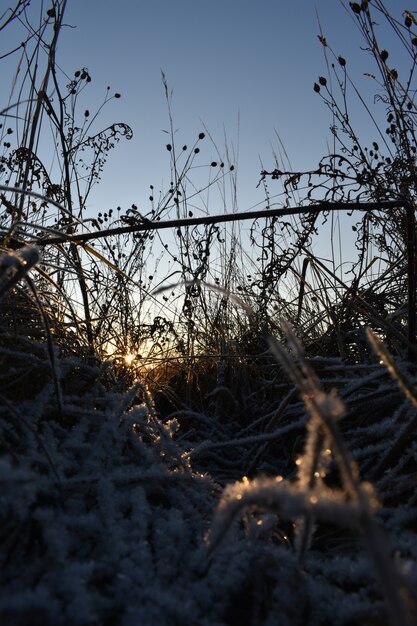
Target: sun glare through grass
[128,359]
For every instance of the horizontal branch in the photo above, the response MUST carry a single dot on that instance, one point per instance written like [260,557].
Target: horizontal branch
[144,224]
[147,225]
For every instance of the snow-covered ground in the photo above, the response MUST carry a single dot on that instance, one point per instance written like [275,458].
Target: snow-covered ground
[111,515]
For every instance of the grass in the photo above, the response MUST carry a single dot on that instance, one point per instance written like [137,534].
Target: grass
[253,461]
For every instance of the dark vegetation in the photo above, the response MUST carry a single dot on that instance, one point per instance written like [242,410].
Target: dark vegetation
[253,460]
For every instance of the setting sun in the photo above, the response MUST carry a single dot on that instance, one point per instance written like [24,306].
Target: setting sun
[129,358]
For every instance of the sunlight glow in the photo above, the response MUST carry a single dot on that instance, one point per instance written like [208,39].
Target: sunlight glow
[129,358]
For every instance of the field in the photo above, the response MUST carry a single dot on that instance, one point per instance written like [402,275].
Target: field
[216,427]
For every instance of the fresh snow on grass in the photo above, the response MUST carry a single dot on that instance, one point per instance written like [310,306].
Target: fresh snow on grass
[112,515]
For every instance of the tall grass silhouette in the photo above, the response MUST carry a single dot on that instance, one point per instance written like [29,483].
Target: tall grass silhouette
[209,426]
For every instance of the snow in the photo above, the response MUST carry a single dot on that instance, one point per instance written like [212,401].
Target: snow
[112,515]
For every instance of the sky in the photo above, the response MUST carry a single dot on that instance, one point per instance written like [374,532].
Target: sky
[243,70]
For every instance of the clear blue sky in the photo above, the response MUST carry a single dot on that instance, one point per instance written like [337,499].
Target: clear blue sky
[225,60]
